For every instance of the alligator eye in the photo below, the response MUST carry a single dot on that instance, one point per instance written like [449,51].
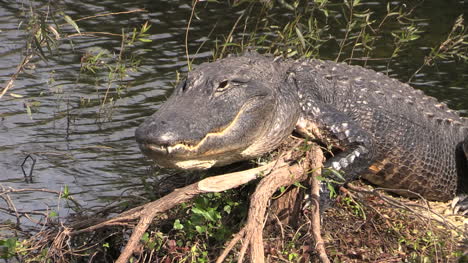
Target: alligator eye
[223,85]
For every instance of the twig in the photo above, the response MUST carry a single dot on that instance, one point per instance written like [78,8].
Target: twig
[231,33]
[111,14]
[187,33]
[28,178]
[230,245]
[7,190]
[392,201]
[13,77]
[93,34]
[315,194]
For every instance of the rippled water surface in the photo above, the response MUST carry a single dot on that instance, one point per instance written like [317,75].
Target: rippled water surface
[90,148]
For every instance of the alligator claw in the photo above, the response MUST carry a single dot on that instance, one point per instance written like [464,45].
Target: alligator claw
[460,205]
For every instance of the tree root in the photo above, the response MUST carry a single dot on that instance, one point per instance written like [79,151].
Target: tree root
[147,212]
[315,194]
[251,234]
[289,167]
[275,174]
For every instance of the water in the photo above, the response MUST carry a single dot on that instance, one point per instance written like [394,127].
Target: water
[92,150]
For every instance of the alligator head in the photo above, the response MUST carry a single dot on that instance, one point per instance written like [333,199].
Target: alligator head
[233,109]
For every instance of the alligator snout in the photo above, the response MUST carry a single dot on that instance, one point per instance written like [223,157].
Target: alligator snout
[162,133]
[155,133]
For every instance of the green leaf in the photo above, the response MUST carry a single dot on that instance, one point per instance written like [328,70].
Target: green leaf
[11,243]
[53,214]
[14,95]
[299,185]
[332,190]
[178,225]
[38,46]
[72,23]
[227,209]
[337,174]
[206,214]
[363,15]
[66,192]
[146,40]
[28,110]
[301,37]
[320,178]
[201,229]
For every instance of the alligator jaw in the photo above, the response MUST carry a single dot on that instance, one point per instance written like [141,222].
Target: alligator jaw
[177,157]
[163,149]
[185,150]
[195,164]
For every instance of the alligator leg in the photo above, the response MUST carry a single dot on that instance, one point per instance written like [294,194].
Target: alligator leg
[331,127]
[334,128]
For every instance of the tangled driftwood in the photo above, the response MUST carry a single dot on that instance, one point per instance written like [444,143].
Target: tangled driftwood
[63,241]
[289,168]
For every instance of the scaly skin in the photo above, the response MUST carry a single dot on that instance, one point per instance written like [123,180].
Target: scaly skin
[242,107]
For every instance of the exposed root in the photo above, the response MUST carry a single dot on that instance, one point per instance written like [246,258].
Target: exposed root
[146,213]
[251,234]
[364,215]
[288,168]
[230,245]
[278,174]
[319,243]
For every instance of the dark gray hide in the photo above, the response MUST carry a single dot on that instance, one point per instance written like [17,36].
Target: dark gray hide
[242,107]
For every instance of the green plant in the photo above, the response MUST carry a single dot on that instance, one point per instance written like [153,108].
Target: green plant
[206,217]
[12,247]
[109,70]
[356,207]
[454,46]
[402,39]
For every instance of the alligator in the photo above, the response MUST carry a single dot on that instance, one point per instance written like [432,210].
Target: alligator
[381,129]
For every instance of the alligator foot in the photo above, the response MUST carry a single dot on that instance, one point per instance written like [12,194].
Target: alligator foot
[460,205]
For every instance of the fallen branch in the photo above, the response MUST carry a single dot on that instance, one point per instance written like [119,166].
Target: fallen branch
[276,174]
[147,212]
[178,196]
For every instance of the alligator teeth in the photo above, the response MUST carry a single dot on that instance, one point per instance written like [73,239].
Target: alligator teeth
[157,148]
[167,149]
[170,149]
